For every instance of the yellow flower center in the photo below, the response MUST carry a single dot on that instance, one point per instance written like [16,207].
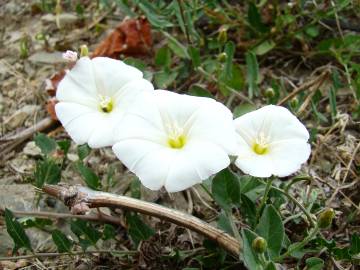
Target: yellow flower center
[178,142]
[260,149]
[176,136]
[106,104]
[261,145]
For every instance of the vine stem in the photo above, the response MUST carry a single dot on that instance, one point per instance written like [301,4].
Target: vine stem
[54,254]
[264,198]
[302,208]
[233,226]
[299,245]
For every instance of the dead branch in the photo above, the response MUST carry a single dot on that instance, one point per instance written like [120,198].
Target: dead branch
[73,196]
[100,217]
[307,85]
[9,142]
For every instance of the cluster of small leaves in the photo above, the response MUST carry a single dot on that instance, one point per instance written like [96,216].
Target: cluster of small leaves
[232,191]
[48,169]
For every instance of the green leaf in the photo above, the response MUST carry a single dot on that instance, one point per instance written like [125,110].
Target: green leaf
[226,189]
[165,78]
[152,14]
[47,171]
[16,232]
[312,31]
[138,230]
[163,57]
[241,109]
[252,75]
[332,99]
[314,263]
[270,266]
[254,18]
[248,209]
[90,178]
[46,144]
[264,47]
[62,243]
[250,258]
[177,48]
[86,234]
[135,62]
[135,188]
[224,224]
[229,50]
[195,56]
[83,151]
[355,244]
[64,145]
[109,232]
[236,82]
[30,222]
[271,228]
[197,90]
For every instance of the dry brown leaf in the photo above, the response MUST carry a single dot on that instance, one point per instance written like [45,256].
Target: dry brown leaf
[130,37]
[50,107]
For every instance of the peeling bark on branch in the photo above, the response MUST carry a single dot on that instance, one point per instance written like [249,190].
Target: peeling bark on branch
[75,196]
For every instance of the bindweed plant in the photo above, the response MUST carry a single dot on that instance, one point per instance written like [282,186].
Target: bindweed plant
[247,160]
[175,141]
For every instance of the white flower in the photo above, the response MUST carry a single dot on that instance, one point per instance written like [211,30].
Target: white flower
[70,56]
[93,97]
[272,141]
[175,140]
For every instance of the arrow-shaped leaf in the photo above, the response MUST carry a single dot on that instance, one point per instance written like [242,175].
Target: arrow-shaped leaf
[16,231]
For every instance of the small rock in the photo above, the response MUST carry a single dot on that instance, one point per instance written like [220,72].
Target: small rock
[19,117]
[72,157]
[31,149]
[47,58]
[12,8]
[64,19]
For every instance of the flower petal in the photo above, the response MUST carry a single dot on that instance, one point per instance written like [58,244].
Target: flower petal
[275,121]
[214,122]
[287,156]
[130,92]
[78,84]
[103,134]
[251,163]
[207,157]
[149,161]
[78,120]
[111,75]
[182,173]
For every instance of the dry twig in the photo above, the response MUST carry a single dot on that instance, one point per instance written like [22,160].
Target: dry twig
[75,196]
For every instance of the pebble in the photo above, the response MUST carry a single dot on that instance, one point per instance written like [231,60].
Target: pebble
[19,117]
[31,149]
[46,58]
[64,19]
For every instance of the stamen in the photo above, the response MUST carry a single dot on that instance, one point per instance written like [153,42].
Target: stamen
[176,136]
[106,104]
[261,145]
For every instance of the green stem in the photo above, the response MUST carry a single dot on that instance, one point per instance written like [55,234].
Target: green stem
[264,198]
[263,260]
[206,190]
[296,179]
[302,208]
[233,226]
[300,245]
